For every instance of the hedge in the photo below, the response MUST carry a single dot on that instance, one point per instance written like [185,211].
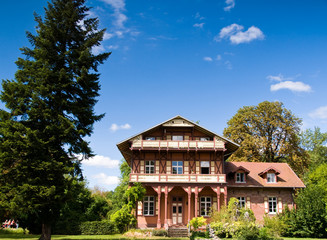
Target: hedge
[98,228]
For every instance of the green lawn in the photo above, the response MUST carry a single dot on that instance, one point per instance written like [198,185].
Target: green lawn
[76,237]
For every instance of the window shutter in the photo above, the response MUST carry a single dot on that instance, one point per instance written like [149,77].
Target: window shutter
[156,170]
[168,137]
[142,166]
[186,137]
[157,206]
[266,205]
[186,169]
[140,208]
[214,203]
[168,163]
[248,202]
[157,138]
[197,167]
[280,205]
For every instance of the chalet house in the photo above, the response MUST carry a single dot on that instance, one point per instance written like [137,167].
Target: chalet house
[184,170]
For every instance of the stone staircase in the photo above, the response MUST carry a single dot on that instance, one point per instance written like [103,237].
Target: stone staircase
[178,232]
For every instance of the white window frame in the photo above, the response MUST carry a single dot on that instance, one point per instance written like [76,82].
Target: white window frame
[148,202]
[272,205]
[271,178]
[206,202]
[241,202]
[205,167]
[150,165]
[177,138]
[239,178]
[179,167]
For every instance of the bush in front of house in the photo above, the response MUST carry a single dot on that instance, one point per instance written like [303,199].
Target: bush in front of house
[98,228]
[159,232]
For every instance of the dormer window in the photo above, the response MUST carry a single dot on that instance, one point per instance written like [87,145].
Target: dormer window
[178,138]
[240,177]
[271,177]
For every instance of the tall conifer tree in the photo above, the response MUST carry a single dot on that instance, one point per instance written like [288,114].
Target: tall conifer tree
[50,109]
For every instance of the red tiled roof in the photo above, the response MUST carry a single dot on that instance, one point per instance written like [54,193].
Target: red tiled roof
[286,179]
[268,169]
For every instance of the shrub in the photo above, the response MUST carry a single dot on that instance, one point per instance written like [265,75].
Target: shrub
[160,232]
[197,222]
[274,226]
[13,231]
[197,234]
[98,228]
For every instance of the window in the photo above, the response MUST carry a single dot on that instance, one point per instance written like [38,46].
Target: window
[272,205]
[240,177]
[150,138]
[205,206]
[241,202]
[148,206]
[205,167]
[178,138]
[271,177]
[177,167]
[149,166]
[204,139]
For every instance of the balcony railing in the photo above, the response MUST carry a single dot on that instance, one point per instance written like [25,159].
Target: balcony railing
[177,145]
[178,178]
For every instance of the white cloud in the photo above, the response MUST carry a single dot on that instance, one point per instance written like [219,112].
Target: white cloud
[113,47]
[293,86]
[105,179]
[114,127]
[280,78]
[98,49]
[119,33]
[236,35]
[198,25]
[116,4]
[119,7]
[120,19]
[218,58]
[228,65]
[101,161]
[319,113]
[207,59]
[230,4]
[107,36]
[198,16]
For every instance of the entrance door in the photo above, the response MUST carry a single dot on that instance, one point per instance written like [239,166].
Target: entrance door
[177,210]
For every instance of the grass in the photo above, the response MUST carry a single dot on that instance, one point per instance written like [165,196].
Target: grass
[14,236]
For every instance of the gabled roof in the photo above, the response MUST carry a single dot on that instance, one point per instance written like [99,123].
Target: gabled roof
[124,146]
[241,168]
[271,168]
[286,178]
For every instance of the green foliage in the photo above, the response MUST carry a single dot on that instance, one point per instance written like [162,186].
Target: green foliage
[159,232]
[267,133]
[97,228]
[197,234]
[13,231]
[315,143]
[49,112]
[124,217]
[197,222]
[274,226]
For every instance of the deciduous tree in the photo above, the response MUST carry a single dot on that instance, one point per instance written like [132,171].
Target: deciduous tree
[267,133]
[49,112]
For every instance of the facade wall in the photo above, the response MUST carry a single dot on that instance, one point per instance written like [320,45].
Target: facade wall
[256,198]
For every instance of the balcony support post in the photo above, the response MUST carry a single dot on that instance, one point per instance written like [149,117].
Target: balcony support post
[189,192]
[166,207]
[225,195]
[196,201]
[218,199]
[159,208]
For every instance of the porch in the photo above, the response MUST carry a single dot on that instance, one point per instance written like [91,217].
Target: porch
[174,206]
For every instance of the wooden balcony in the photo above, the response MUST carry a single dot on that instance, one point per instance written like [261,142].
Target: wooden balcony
[178,178]
[177,145]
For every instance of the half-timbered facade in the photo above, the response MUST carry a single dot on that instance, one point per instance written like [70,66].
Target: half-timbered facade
[184,170]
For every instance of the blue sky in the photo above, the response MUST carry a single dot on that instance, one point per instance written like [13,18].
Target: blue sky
[202,59]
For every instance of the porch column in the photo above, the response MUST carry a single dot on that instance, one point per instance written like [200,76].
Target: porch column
[166,207]
[225,195]
[196,201]
[189,204]
[159,208]
[218,199]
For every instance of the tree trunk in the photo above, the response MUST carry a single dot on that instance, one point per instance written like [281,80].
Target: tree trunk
[46,232]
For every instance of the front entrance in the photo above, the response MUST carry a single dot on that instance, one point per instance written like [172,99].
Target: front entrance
[177,211]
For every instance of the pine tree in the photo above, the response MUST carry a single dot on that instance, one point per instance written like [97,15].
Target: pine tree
[49,112]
